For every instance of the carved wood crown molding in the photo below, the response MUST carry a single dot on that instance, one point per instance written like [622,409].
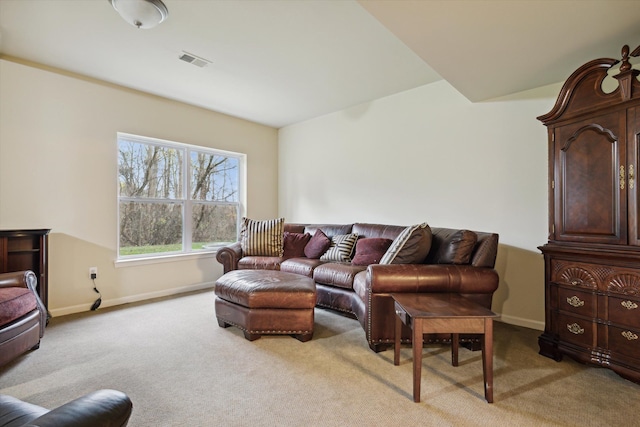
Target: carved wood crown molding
[586,83]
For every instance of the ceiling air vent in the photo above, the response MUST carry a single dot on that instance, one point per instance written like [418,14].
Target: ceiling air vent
[193,59]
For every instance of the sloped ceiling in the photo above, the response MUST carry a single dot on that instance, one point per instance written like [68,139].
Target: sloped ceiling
[279,62]
[491,48]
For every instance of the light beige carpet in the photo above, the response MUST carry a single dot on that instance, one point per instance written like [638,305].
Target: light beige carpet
[181,369]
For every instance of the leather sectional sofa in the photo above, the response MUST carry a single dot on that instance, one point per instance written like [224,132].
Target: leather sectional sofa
[458,261]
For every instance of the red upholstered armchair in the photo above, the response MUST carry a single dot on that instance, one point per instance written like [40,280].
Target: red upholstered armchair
[22,315]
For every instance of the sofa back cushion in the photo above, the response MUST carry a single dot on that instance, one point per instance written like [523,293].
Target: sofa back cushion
[456,248]
[329,229]
[410,247]
[365,230]
[457,244]
[486,250]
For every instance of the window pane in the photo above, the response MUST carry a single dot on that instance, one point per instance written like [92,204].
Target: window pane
[149,228]
[149,171]
[214,177]
[214,225]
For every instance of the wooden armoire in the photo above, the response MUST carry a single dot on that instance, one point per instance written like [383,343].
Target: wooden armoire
[592,258]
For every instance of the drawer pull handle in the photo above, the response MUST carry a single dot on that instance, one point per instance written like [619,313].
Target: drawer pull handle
[575,329]
[629,335]
[575,301]
[629,305]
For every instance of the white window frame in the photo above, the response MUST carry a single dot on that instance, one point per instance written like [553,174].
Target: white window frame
[186,202]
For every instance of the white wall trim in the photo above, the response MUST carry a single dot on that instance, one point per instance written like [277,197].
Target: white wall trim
[133,298]
[519,321]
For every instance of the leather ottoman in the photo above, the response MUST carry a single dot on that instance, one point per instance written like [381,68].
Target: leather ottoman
[266,302]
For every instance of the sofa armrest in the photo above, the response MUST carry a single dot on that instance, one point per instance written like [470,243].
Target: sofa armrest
[16,279]
[229,256]
[417,278]
[99,408]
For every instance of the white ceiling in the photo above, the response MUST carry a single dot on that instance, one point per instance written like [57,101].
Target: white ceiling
[278,62]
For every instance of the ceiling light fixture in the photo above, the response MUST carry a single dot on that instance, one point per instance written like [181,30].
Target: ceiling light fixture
[141,13]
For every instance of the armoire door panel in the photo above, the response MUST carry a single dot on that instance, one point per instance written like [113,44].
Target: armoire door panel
[591,181]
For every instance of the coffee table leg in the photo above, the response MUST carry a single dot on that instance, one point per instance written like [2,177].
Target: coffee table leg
[417,357]
[396,341]
[487,359]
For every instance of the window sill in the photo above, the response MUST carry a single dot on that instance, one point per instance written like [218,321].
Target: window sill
[161,259]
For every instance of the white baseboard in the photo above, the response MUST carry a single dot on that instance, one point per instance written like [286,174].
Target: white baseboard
[133,298]
[512,320]
[519,321]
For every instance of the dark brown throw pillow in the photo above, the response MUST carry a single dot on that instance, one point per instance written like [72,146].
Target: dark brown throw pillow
[370,250]
[457,248]
[318,245]
[294,244]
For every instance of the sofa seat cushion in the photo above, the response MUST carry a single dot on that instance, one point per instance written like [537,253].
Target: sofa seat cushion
[15,302]
[337,274]
[260,263]
[301,266]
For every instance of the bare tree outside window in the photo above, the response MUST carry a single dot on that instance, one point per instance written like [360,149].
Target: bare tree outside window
[174,197]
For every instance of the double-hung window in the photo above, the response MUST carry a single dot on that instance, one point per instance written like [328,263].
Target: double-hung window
[175,198]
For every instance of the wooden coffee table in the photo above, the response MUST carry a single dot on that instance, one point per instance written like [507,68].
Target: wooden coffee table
[444,313]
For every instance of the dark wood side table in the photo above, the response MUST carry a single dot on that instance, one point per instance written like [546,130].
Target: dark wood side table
[444,313]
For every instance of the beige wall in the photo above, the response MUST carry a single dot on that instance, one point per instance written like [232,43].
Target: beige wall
[58,170]
[430,155]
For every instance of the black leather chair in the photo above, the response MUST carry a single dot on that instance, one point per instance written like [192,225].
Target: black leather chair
[102,408]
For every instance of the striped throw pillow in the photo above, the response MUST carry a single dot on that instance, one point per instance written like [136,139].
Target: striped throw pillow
[262,238]
[341,248]
[411,246]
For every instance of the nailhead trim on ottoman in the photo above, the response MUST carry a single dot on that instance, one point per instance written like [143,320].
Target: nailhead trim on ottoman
[266,302]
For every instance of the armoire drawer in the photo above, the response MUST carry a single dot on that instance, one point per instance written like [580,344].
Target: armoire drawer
[578,274]
[624,341]
[624,311]
[576,330]
[578,302]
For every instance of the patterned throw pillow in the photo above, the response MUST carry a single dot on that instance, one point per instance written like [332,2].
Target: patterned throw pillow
[341,248]
[411,246]
[262,238]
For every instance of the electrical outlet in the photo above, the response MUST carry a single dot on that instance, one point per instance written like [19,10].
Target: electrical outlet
[93,272]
